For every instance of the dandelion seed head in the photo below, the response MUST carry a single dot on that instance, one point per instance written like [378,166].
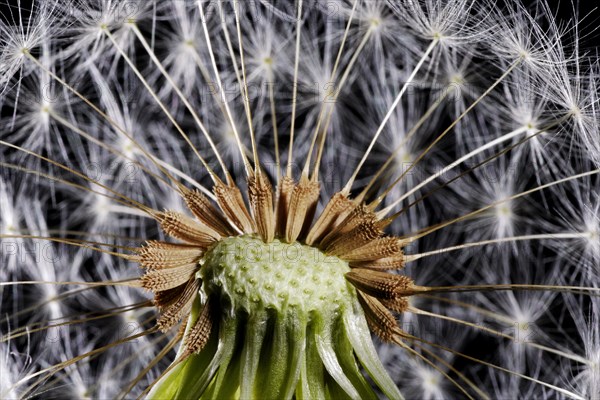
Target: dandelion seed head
[403,158]
[129,148]
[504,218]
[375,16]
[447,22]
[202,259]
[13,366]
[421,380]
[9,223]
[100,206]
[591,219]
[54,308]
[430,382]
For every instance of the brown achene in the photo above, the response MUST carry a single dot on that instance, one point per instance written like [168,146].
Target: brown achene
[346,229]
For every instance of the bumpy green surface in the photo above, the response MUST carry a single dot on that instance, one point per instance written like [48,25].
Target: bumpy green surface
[276,275]
[287,325]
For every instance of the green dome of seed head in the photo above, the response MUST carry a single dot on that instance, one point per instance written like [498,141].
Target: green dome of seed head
[287,324]
[273,319]
[248,273]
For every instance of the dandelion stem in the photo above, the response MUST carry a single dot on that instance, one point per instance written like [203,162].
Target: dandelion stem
[167,166]
[129,360]
[501,334]
[452,125]
[437,368]
[97,110]
[552,236]
[437,227]
[294,89]
[508,371]
[445,170]
[234,62]
[470,169]
[73,242]
[271,83]
[112,149]
[337,62]
[506,286]
[58,367]
[31,328]
[408,136]
[218,77]
[164,108]
[412,76]
[451,368]
[338,90]
[183,98]
[315,173]
[150,365]
[246,97]
[473,153]
[135,203]
[69,183]
[125,282]
[206,75]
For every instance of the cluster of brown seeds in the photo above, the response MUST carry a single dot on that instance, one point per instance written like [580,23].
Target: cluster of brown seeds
[346,228]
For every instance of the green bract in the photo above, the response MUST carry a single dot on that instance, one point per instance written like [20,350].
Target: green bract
[289,325]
